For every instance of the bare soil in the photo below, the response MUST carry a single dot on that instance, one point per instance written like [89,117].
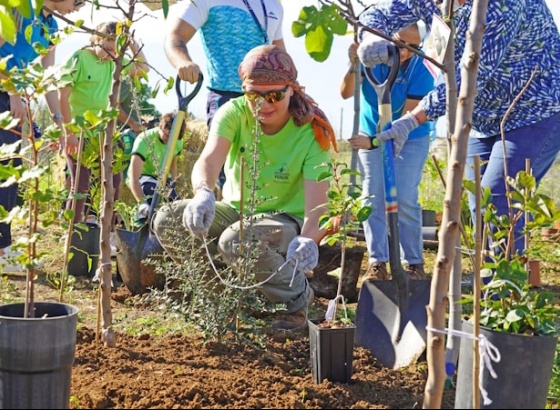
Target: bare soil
[158,363]
[178,371]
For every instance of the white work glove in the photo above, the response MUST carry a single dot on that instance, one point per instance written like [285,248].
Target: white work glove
[199,212]
[305,251]
[399,132]
[374,50]
[143,211]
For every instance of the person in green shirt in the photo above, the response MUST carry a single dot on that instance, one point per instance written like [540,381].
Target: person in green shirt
[91,81]
[146,161]
[276,129]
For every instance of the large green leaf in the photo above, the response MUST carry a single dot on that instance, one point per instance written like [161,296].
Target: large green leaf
[319,27]
[318,44]
[7,26]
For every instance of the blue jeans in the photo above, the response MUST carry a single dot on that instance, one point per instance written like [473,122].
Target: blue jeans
[149,185]
[408,170]
[538,142]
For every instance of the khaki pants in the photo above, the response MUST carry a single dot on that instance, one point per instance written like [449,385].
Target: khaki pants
[271,234]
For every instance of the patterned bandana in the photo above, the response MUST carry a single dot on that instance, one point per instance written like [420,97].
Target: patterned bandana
[271,65]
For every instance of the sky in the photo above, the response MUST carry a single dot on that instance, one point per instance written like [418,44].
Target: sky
[321,80]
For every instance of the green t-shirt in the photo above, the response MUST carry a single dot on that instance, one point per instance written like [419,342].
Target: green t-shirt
[151,149]
[284,160]
[91,82]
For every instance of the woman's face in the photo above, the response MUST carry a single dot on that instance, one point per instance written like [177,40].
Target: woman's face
[269,103]
[105,49]
[65,6]
[410,39]
[164,131]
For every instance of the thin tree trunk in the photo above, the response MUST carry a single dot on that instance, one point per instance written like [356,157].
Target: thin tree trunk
[451,211]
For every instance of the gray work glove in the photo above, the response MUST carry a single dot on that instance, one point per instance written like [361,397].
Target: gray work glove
[143,211]
[199,212]
[399,132]
[305,251]
[374,50]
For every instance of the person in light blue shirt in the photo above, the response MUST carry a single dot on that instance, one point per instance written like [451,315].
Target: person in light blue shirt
[33,33]
[228,30]
[518,75]
[412,83]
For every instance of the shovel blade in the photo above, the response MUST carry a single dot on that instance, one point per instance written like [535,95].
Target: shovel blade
[133,247]
[390,325]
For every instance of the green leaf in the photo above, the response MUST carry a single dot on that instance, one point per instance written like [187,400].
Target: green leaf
[7,25]
[363,214]
[318,43]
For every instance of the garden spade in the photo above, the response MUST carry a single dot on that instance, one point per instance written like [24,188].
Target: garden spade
[391,315]
[136,246]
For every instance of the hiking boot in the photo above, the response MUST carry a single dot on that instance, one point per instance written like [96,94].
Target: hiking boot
[416,271]
[377,271]
[296,320]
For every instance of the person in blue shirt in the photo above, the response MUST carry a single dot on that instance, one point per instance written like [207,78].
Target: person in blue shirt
[18,56]
[518,74]
[412,83]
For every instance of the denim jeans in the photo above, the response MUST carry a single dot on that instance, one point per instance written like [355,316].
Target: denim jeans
[408,170]
[149,185]
[538,142]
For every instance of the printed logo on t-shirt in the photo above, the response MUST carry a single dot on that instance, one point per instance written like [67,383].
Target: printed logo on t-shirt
[282,174]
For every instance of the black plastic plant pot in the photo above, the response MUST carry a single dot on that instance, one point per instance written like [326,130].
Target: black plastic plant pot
[36,355]
[332,351]
[523,373]
[84,247]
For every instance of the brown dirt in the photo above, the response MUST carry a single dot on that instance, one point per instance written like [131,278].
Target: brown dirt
[177,371]
[158,363]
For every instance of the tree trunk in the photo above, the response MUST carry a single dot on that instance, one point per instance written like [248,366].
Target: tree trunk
[451,210]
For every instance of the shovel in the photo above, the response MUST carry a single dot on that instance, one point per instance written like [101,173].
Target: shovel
[391,315]
[135,246]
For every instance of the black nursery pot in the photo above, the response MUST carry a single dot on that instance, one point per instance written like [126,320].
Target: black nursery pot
[85,249]
[332,352]
[36,355]
[523,373]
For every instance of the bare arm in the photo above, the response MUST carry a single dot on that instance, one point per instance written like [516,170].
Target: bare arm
[134,173]
[173,168]
[347,84]
[140,62]
[127,119]
[175,47]
[279,43]
[52,96]
[70,141]
[315,206]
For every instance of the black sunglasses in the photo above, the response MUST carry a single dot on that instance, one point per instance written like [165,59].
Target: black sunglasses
[417,47]
[78,3]
[270,96]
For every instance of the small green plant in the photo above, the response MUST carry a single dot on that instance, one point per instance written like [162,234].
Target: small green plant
[35,154]
[509,304]
[345,212]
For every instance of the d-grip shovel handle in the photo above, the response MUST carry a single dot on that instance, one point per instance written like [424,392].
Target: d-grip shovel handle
[383,90]
[173,138]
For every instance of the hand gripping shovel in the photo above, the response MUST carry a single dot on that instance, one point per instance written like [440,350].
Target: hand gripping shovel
[135,246]
[391,315]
